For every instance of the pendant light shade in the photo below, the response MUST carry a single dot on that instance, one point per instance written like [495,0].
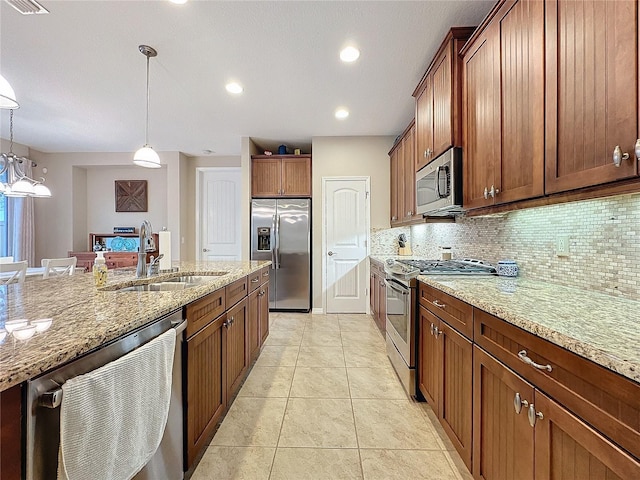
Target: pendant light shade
[146,156]
[7,95]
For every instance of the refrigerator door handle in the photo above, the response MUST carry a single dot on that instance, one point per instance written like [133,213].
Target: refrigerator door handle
[274,236]
[277,241]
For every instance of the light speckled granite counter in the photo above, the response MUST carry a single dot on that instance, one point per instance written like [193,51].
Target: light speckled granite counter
[599,327]
[85,317]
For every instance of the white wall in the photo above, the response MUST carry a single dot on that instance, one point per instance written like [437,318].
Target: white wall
[347,156]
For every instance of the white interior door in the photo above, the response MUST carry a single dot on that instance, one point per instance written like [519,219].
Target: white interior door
[346,224]
[218,220]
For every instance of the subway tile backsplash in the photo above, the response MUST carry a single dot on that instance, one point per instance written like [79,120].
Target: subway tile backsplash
[604,242]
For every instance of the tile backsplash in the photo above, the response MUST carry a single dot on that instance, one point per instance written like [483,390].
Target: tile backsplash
[604,242]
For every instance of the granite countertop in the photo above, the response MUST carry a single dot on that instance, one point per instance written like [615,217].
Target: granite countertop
[596,326]
[85,317]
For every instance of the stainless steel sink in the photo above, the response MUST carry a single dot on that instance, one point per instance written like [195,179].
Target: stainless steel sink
[168,284]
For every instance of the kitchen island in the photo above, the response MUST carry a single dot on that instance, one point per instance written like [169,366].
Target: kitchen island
[86,317]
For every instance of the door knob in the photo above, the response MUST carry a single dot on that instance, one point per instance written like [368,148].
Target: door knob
[331,254]
[206,250]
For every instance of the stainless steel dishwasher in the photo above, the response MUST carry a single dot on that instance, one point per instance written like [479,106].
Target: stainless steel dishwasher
[44,395]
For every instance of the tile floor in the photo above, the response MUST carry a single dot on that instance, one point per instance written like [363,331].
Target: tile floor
[323,402]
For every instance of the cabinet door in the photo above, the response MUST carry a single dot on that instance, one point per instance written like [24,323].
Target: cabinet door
[409,177]
[455,402]
[296,177]
[442,102]
[382,305]
[520,170]
[373,293]
[502,438]
[566,448]
[393,187]
[253,322]
[481,114]
[424,124]
[429,357]
[401,186]
[265,177]
[264,312]
[591,91]
[237,342]
[206,385]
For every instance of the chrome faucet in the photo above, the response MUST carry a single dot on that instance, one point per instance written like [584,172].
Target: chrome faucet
[154,265]
[147,244]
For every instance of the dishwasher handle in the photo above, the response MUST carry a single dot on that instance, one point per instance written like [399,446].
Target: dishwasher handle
[179,326]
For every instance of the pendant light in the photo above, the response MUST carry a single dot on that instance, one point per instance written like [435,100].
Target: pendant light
[146,156]
[7,95]
[18,184]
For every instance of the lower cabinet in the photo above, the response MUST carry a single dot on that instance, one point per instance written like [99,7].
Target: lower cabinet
[263,308]
[237,346]
[378,295]
[258,310]
[446,379]
[522,433]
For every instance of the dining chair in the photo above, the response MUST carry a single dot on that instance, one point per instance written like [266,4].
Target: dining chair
[6,259]
[58,267]
[12,272]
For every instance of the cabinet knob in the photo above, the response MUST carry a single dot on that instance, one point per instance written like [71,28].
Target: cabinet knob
[394,218]
[486,193]
[637,149]
[425,153]
[226,324]
[493,192]
[533,415]
[618,156]
[518,403]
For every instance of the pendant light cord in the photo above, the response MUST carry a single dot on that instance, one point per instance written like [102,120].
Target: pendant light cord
[11,131]
[146,132]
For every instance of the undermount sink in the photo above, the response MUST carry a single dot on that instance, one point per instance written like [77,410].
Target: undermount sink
[174,283]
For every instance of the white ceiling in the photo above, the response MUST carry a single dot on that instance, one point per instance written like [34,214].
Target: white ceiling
[80,78]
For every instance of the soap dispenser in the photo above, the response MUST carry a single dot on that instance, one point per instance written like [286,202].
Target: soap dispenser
[100,270]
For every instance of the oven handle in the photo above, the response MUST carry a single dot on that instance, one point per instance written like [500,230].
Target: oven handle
[393,286]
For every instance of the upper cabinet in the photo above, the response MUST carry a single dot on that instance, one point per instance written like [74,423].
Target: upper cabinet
[503,107]
[281,176]
[438,100]
[591,92]
[403,179]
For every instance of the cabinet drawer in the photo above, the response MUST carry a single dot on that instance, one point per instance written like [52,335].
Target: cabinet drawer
[265,273]
[255,280]
[455,312]
[205,310]
[606,400]
[236,291]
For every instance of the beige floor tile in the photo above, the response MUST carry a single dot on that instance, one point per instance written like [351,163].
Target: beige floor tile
[287,323]
[458,466]
[357,323]
[320,357]
[373,338]
[235,463]
[252,422]
[318,422]
[366,356]
[268,382]
[321,338]
[323,322]
[392,424]
[284,337]
[320,383]
[278,356]
[404,464]
[376,382]
[316,464]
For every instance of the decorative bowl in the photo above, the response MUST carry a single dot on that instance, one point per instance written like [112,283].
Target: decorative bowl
[507,268]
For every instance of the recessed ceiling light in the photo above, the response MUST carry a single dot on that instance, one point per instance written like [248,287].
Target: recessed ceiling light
[234,87]
[342,113]
[178,2]
[349,54]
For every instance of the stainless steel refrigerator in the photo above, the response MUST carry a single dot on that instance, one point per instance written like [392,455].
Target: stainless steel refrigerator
[281,232]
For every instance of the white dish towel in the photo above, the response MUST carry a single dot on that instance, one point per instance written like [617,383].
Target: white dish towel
[113,418]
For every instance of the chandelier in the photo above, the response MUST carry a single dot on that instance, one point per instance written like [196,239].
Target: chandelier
[18,184]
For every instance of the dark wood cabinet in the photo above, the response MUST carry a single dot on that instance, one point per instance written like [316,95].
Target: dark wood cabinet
[591,92]
[237,346]
[445,376]
[258,311]
[403,179]
[439,101]
[10,433]
[503,107]
[263,307]
[206,384]
[378,295]
[281,176]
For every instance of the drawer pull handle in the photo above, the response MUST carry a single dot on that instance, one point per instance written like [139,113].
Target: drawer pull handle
[265,274]
[522,355]
[533,415]
[438,304]
[518,403]
[255,280]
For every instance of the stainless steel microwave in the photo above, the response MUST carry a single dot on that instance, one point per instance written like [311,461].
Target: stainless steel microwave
[439,185]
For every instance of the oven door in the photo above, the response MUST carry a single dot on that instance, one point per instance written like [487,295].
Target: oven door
[399,318]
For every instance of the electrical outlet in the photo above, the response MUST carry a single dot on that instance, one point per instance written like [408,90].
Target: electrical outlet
[562,246]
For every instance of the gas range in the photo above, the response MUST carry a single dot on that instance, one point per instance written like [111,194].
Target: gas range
[465,266]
